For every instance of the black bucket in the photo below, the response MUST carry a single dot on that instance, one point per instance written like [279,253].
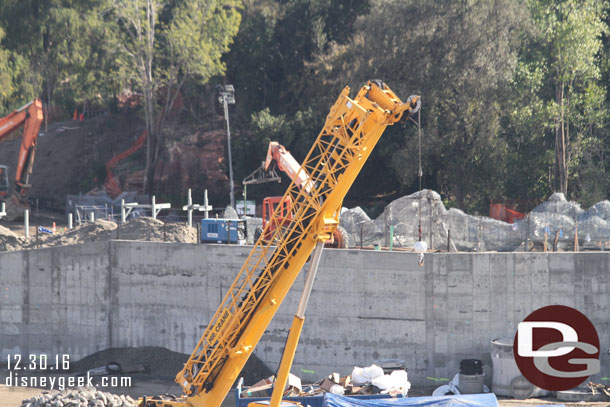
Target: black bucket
[471,367]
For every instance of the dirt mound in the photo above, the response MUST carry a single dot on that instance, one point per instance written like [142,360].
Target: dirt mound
[141,229]
[160,362]
[89,232]
[154,230]
[157,361]
[9,241]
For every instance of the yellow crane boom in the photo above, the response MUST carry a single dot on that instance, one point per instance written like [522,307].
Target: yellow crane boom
[350,133]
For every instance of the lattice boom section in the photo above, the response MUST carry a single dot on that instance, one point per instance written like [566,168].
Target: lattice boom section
[337,146]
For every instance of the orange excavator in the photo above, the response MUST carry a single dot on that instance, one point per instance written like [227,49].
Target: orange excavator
[30,117]
[279,157]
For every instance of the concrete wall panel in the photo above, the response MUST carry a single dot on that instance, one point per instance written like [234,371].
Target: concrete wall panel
[365,305]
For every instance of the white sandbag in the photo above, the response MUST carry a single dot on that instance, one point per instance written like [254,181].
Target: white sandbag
[366,375]
[396,382]
[337,389]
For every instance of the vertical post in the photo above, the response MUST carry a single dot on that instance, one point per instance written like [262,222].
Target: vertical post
[226,107]
[154,208]
[449,240]
[122,212]
[26,223]
[228,223]
[527,234]
[190,209]
[576,243]
[391,236]
[385,228]
[205,203]
[198,232]
[431,220]
[546,238]
[245,208]
[92,216]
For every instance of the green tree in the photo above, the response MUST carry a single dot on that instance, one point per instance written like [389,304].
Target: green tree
[56,39]
[6,78]
[168,42]
[570,38]
[460,57]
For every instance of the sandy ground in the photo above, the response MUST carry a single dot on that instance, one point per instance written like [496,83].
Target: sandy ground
[12,396]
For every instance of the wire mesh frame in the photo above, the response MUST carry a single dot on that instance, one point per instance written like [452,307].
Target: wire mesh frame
[338,145]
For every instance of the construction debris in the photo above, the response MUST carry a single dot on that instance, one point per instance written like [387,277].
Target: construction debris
[599,389]
[363,381]
[80,397]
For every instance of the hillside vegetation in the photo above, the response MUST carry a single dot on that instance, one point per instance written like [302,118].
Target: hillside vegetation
[515,92]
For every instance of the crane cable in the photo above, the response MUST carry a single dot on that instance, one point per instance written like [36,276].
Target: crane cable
[419,172]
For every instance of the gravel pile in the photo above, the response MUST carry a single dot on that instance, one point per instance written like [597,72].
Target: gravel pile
[158,362]
[161,362]
[81,397]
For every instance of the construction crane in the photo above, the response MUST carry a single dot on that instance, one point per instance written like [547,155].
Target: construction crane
[30,116]
[350,133]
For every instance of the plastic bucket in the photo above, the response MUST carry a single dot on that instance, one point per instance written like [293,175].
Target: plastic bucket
[505,371]
[471,384]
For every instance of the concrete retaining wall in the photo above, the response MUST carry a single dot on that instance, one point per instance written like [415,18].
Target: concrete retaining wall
[365,305]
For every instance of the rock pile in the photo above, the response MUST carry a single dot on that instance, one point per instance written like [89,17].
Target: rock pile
[81,397]
[469,232]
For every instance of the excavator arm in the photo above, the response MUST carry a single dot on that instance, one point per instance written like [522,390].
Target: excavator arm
[30,116]
[352,130]
[277,153]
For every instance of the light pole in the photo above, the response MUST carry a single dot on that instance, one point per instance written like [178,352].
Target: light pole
[226,97]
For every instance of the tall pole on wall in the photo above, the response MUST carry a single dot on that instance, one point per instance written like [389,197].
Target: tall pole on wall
[227,96]
[231,185]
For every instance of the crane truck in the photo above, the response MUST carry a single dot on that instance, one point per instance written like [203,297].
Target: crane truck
[30,117]
[352,129]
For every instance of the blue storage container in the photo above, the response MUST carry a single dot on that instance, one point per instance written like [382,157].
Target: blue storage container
[312,401]
[223,230]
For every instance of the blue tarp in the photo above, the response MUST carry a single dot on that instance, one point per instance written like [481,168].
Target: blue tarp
[463,400]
